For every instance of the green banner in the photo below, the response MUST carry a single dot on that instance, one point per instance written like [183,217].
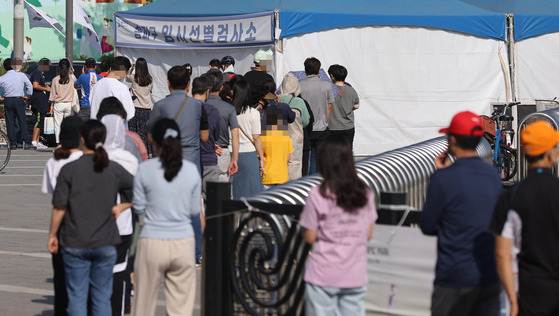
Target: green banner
[42,42]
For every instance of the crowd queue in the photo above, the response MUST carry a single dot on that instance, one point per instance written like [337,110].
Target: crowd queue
[128,185]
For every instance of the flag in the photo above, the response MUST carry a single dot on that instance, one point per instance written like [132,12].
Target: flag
[38,18]
[80,17]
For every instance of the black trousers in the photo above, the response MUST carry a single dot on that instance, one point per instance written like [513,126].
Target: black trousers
[14,108]
[121,279]
[469,301]
[316,138]
[84,113]
[348,134]
[59,280]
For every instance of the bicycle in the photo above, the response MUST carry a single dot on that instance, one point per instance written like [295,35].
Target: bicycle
[498,131]
[5,150]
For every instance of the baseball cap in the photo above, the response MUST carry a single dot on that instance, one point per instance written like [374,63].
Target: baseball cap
[263,55]
[464,124]
[90,62]
[538,137]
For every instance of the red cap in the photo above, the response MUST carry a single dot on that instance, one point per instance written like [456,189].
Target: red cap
[465,124]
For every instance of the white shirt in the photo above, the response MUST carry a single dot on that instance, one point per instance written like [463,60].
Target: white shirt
[52,169]
[114,145]
[14,82]
[111,87]
[249,122]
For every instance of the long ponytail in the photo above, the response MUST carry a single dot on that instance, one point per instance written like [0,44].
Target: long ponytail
[166,135]
[94,133]
[64,71]
[335,164]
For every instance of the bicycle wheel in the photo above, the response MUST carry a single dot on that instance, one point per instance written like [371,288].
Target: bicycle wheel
[507,162]
[5,150]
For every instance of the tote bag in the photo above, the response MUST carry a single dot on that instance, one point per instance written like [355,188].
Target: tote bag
[49,125]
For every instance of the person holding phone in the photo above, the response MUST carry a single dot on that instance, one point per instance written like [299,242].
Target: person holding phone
[86,81]
[458,208]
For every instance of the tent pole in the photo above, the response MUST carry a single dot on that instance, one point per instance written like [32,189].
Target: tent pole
[512,55]
[278,49]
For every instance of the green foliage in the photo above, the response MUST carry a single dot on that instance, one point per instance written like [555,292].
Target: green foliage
[24,68]
[109,56]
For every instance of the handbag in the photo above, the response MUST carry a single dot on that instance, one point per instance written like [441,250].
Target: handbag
[253,144]
[247,137]
[49,125]
[76,102]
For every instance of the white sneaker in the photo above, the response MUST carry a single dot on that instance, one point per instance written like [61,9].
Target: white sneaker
[41,146]
[34,143]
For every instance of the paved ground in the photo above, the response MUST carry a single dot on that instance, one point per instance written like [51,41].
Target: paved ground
[25,267]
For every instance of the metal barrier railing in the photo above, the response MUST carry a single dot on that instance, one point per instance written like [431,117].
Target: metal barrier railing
[255,251]
[552,117]
[405,170]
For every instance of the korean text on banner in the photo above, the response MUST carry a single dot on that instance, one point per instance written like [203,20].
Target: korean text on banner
[194,32]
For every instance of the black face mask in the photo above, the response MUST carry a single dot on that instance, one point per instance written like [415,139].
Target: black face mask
[264,103]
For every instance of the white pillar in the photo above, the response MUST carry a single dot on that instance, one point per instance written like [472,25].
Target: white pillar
[70,30]
[18,29]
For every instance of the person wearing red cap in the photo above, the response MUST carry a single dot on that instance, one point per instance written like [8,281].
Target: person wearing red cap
[458,208]
[527,215]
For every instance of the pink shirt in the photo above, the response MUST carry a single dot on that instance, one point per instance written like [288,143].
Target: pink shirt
[339,255]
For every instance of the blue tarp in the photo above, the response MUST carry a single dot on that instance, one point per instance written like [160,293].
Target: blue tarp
[300,17]
[178,8]
[531,17]
[485,18]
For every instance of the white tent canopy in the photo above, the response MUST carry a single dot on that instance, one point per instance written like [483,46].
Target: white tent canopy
[408,88]
[410,80]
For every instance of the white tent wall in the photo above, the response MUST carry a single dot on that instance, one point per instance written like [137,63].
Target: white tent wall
[537,68]
[161,60]
[411,81]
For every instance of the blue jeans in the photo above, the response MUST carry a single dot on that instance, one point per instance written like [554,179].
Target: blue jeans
[89,270]
[329,301]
